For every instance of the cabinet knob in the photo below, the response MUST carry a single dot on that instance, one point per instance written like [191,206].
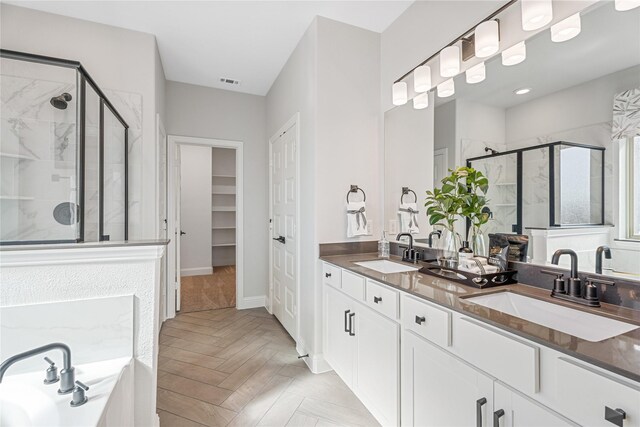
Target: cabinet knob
[420,320]
[496,417]
[377,299]
[479,404]
[615,416]
[327,275]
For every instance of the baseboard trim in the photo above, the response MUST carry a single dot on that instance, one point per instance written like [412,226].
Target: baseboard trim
[315,362]
[251,302]
[199,271]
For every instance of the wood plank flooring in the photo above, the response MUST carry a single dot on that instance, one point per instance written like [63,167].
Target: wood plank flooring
[207,292]
[240,368]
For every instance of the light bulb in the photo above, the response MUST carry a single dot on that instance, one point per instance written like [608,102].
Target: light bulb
[566,29]
[450,61]
[399,93]
[421,101]
[515,54]
[623,5]
[446,88]
[487,39]
[536,14]
[422,78]
[476,74]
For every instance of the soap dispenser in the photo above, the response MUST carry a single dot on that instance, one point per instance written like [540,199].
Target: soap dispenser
[383,246]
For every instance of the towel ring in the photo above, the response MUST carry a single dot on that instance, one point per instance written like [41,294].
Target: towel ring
[355,189]
[407,190]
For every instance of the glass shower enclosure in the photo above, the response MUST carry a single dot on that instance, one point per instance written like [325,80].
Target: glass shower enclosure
[557,184]
[63,154]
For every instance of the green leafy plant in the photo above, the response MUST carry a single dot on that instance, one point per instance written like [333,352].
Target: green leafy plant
[462,194]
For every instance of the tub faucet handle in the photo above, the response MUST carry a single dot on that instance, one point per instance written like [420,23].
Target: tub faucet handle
[51,376]
[79,398]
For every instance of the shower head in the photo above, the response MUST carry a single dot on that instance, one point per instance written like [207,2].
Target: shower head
[60,101]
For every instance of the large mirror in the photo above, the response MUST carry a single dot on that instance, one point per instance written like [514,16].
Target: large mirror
[561,170]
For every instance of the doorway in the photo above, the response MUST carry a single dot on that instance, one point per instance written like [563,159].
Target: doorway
[284,208]
[205,220]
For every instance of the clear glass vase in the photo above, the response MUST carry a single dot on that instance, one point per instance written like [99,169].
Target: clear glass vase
[451,243]
[478,243]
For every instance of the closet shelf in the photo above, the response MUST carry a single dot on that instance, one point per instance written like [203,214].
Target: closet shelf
[223,209]
[224,228]
[222,245]
[223,176]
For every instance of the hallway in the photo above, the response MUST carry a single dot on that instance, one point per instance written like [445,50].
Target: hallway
[240,368]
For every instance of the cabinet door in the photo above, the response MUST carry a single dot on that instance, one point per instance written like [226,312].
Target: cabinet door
[438,389]
[340,346]
[515,410]
[377,364]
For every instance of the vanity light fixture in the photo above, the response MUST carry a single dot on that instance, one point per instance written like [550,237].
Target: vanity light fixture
[421,101]
[487,39]
[422,78]
[623,5]
[566,29]
[476,74]
[399,93]
[450,61]
[446,88]
[523,91]
[536,14]
[515,54]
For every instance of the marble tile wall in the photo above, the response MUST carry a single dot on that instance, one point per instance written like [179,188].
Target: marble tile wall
[38,151]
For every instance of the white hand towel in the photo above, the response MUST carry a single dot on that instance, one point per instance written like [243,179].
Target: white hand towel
[408,214]
[356,219]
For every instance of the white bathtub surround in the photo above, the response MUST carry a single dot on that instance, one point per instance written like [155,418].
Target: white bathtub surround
[26,401]
[95,329]
[32,275]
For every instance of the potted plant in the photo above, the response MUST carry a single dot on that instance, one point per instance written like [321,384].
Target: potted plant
[462,194]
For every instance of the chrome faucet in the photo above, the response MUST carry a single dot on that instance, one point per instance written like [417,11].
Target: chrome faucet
[409,254]
[607,255]
[436,233]
[67,374]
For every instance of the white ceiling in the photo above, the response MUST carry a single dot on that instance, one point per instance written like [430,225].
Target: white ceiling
[202,41]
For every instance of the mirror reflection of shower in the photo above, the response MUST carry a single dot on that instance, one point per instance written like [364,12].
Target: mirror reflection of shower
[61,101]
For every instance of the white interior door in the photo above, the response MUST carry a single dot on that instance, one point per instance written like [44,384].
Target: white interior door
[162,212]
[284,234]
[178,226]
[441,165]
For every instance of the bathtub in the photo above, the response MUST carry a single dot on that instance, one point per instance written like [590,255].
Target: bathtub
[26,401]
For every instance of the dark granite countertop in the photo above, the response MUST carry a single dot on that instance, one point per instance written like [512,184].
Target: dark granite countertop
[620,354]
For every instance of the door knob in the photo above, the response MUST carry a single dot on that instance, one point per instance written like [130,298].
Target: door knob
[182,233]
[280,239]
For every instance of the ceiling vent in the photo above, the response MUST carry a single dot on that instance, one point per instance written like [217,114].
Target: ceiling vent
[229,81]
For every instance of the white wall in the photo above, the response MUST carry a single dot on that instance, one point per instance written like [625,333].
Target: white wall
[213,113]
[119,60]
[195,210]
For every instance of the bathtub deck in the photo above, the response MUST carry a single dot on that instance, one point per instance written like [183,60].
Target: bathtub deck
[240,368]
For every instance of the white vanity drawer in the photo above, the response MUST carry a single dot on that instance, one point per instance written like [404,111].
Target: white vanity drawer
[509,359]
[382,299]
[353,285]
[426,320]
[584,393]
[331,275]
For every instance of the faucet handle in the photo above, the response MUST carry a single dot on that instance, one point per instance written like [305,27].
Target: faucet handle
[597,281]
[558,283]
[51,375]
[79,398]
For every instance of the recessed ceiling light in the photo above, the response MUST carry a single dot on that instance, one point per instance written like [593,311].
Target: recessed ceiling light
[522,91]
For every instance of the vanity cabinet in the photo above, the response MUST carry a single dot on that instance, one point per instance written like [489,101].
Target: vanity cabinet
[363,347]
[417,363]
[441,390]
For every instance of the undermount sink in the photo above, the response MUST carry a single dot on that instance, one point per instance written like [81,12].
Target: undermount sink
[386,267]
[578,323]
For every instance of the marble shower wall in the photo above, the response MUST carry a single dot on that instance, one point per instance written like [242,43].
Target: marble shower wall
[38,152]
